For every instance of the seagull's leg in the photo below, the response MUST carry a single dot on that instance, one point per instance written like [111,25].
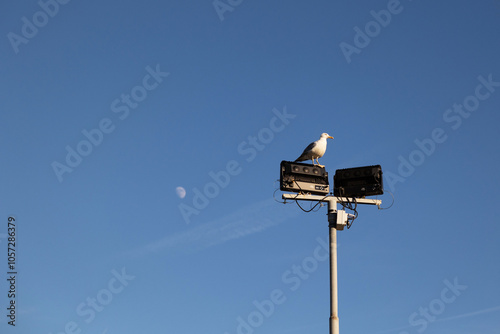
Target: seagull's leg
[312,160]
[319,165]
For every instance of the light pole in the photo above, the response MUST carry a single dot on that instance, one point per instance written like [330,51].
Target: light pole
[337,219]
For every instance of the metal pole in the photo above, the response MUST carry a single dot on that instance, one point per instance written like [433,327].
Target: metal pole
[334,307]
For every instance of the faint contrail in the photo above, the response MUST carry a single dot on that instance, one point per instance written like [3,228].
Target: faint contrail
[248,220]
[465,315]
[471,314]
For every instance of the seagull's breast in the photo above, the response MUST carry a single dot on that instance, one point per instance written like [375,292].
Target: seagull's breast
[319,150]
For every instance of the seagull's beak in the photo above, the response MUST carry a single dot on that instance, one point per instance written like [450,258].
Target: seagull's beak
[330,137]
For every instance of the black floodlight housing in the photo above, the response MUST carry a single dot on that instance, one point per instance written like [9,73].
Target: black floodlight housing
[358,182]
[306,178]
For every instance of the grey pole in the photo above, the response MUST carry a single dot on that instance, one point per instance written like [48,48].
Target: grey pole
[334,306]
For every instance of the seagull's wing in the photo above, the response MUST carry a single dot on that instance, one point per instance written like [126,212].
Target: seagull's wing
[310,147]
[304,155]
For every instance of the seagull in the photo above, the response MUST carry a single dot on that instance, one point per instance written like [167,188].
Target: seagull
[315,150]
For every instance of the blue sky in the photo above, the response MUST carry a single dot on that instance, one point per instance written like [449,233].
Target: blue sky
[108,107]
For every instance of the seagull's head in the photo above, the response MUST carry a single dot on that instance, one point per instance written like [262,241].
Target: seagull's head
[325,135]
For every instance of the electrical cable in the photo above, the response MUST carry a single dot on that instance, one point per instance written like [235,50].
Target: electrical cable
[313,207]
[320,202]
[350,206]
[274,194]
[293,199]
[393,200]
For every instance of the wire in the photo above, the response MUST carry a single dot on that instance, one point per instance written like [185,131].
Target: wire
[296,201]
[393,200]
[315,205]
[274,194]
[285,201]
[350,206]
[311,209]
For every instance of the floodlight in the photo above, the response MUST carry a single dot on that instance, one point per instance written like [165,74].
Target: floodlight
[306,178]
[358,181]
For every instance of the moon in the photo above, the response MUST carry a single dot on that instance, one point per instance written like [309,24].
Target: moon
[181,192]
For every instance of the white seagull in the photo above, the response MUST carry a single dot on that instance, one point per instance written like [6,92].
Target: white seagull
[315,150]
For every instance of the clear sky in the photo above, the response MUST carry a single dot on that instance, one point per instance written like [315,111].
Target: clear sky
[141,142]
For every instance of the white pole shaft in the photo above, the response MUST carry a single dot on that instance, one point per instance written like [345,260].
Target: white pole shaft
[334,307]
